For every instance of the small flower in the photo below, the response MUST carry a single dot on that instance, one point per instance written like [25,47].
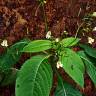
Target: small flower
[48,35]
[4,43]
[57,39]
[44,1]
[94,29]
[65,32]
[59,64]
[94,14]
[90,40]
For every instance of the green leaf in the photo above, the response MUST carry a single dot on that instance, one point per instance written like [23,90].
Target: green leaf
[12,55]
[89,50]
[37,46]
[9,77]
[74,58]
[68,42]
[1,75]
[65,89]
[73,66]
[90,68]
[35,77]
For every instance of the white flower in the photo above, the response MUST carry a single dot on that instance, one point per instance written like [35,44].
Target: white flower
[65,32]
[90,40]
[94,14]
[57,39]
[94,29]
[4,43]
[45,1]
[48,35]
[59,64]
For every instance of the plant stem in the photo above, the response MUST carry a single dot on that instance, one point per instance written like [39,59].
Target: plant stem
[78,30]
[53,64]
[45,18]
[77,23]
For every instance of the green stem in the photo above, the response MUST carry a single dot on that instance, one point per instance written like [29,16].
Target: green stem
[53,63]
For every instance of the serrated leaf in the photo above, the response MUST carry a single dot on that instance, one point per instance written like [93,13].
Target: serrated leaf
[68,42]
[12,55]
[65,89]
[89,50]
[37,46]
[73,66]
[74,58]
[90,68]
[35,77]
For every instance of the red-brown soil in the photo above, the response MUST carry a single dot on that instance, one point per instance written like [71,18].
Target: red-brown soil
[25,19]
